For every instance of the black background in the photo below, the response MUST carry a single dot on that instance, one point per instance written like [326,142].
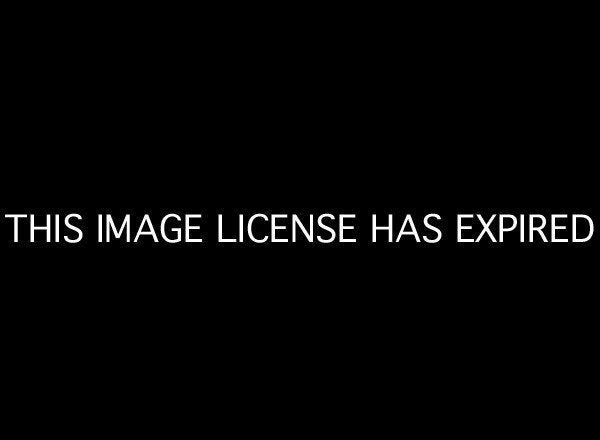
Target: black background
[386,112]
